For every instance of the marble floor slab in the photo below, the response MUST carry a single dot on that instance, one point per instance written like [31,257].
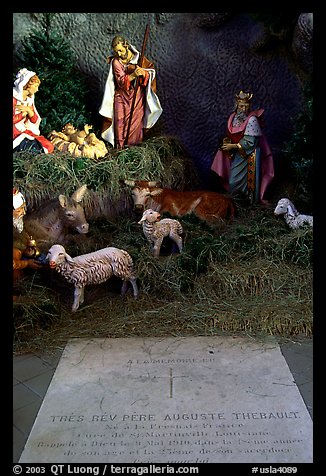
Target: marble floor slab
[171,400]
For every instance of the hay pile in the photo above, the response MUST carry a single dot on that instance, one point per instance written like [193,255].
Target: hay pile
[44,176]
[253,276]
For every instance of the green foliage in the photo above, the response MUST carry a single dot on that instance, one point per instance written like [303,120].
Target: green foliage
[62,93]
[299,149]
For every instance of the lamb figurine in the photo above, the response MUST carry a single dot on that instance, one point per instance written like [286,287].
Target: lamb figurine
[93,268]
[155,230]
[293,218]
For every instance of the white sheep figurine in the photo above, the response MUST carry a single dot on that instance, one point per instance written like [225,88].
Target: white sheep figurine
[293,218]
[93,268]
[155,230]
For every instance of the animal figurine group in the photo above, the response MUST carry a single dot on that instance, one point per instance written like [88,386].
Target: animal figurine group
[292,217]
[156,229]
[99,266]
[93,268]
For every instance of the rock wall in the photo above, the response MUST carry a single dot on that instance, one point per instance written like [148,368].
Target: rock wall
[201,59]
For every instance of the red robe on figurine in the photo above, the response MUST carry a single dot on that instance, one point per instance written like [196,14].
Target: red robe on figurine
[251,168]
[118,98]
[26,128]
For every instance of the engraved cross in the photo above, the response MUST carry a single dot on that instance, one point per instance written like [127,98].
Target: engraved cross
[171,377]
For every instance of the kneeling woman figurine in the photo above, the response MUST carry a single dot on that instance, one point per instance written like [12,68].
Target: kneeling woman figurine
[26,119]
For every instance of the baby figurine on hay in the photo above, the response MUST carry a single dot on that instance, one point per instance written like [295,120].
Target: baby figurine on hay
[79,143]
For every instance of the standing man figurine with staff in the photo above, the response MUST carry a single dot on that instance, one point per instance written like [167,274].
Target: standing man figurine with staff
[130,104]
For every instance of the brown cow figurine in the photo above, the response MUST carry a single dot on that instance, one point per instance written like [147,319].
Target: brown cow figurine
[211,207]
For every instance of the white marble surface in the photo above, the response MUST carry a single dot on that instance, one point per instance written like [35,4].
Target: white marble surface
[171,400]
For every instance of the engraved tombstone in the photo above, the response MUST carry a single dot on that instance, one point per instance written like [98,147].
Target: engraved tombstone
[171,400]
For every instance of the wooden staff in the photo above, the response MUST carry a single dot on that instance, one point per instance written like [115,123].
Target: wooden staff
[140,63]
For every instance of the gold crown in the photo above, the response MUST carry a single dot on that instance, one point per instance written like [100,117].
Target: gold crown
[32,244]
[245,97]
